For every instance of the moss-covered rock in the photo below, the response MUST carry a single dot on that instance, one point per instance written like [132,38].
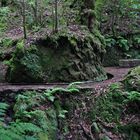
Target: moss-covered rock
[63,57]
[72,56]
[25,65]
[112,56]
[132,79]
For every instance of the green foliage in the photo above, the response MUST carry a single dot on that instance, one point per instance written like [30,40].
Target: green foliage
[32,107]
[123,43]
[136,42]
[35,108]
[50,93]
[109,106]
[3,19]
[130,131]
[7,42]
[133,96]
[119,41]
[121,100]
[25,62]
[132,79]
[16,130]
[110,42]
[3,108]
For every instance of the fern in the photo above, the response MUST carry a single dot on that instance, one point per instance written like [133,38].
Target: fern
[3,108]
[132,96]
[19,131]
[123,43]
[51,92]
[16,130]
[74,86]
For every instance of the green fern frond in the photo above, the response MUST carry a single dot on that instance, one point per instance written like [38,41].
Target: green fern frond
[3,108]
[74,85]
[23,127]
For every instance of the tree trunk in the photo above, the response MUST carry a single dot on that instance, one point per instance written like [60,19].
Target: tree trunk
[88,15]
[24,19]
[36,12]
[56,16]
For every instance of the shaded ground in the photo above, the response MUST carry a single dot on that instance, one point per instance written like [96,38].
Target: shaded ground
[116,71]
[78,124]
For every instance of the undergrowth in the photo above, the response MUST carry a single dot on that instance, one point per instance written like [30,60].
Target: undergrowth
[113,107]
[36,115]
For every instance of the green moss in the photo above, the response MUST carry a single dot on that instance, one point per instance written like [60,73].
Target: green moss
[121,101]
[112,56]
[109,107]
[26,63]
[66,56]
[132,79]
[70,56]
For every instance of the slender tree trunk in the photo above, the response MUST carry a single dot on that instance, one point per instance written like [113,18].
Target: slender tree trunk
[88,17]
[36,12]
[41,13]
[56,16]
[24,19]
[53,19]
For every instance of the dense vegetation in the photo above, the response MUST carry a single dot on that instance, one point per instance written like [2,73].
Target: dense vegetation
[57,113]
[69,41]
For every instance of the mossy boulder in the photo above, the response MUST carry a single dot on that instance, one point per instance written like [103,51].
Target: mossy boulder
[66,56]
[72,56]
[132,79]
[25,65]
[112,56]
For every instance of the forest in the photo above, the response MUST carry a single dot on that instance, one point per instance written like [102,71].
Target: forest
[69,69]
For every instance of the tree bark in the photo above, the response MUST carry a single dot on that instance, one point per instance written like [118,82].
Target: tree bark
[36,12]
[56,16]
[24,19]
[88,15]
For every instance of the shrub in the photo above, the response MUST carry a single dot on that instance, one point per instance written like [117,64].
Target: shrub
[16,130]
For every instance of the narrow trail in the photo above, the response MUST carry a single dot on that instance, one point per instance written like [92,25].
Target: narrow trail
[117,72]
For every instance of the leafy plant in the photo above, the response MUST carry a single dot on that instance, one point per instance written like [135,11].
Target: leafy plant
[132,96]
[16,130]
[6,42]
[123,43]
[110,42]
[35,108]
[50,94]
[3,108]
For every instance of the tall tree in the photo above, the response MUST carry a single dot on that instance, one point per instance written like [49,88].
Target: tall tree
[56,15]
[24,19]
[88,14]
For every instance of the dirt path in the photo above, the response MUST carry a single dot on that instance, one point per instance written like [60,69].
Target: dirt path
[118,74]
[116,71]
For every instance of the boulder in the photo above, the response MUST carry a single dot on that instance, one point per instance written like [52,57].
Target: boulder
[66,56]
[132,79]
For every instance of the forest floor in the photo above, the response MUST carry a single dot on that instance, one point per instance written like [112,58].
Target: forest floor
[78,124]
[117,72]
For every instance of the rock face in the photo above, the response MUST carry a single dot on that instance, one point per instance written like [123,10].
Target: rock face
[132,79]
[112,56]
[127,63]
[64,57]
[70,58]
[2,72]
